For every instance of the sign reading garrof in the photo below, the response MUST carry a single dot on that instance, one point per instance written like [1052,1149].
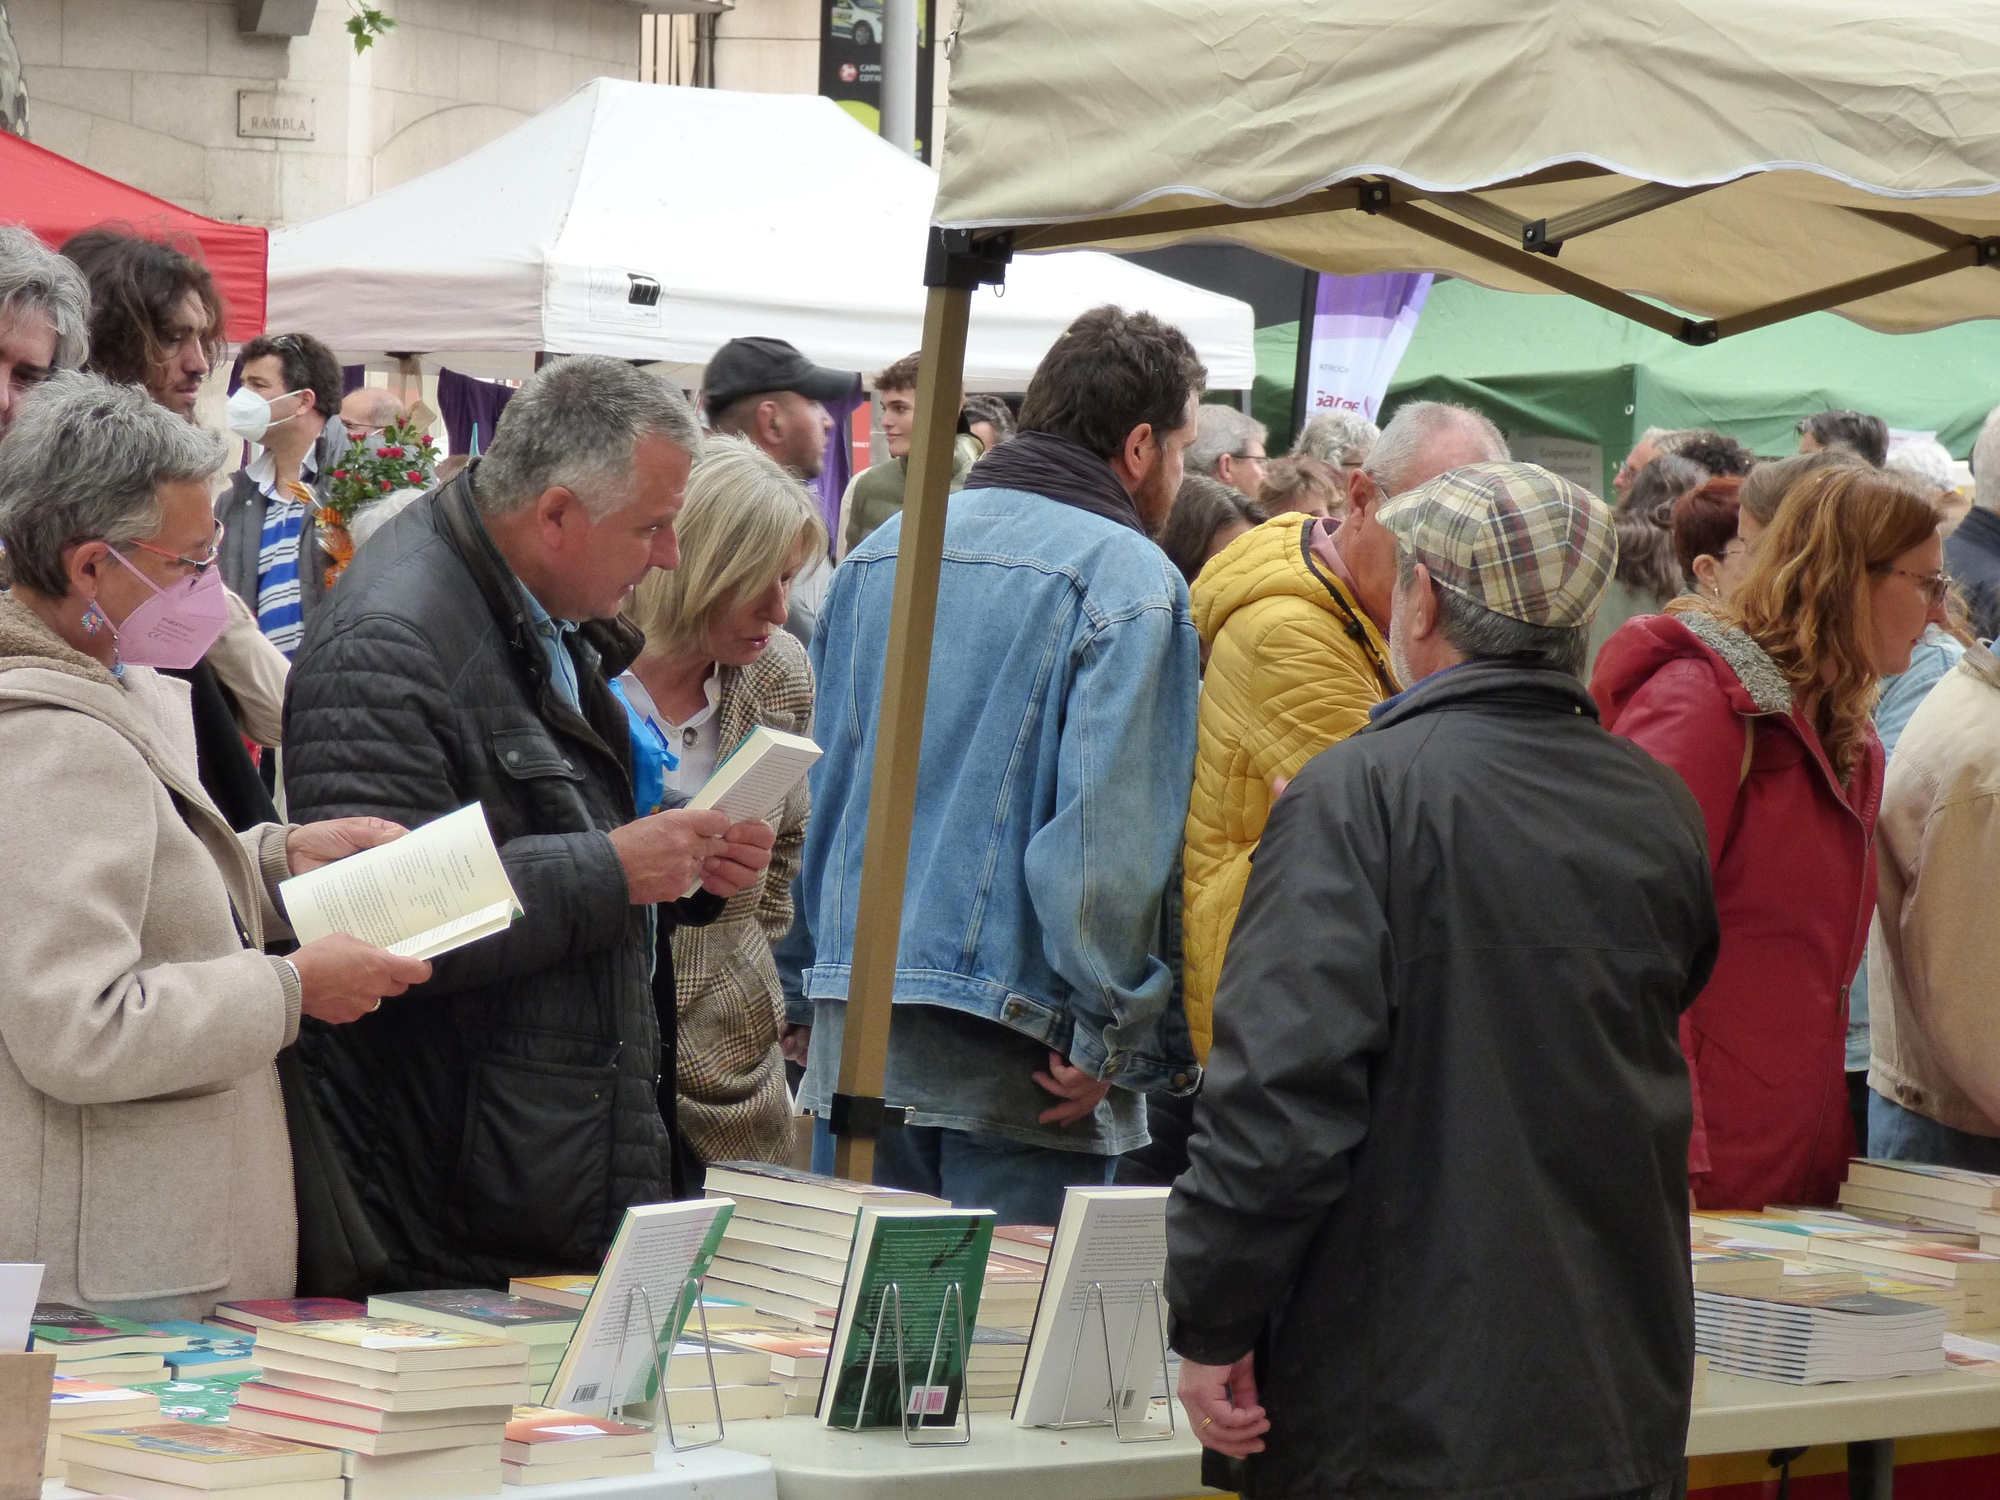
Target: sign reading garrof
[263,114]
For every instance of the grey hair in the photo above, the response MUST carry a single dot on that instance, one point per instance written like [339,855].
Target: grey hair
[84,462]
[1986,463]
[376,514]
[34,278]
[1479,633]
[1925,460]
[577,424]
[1220,430]
[1394,462]
[1341,438]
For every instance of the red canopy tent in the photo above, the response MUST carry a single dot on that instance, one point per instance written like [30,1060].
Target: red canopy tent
[55,197]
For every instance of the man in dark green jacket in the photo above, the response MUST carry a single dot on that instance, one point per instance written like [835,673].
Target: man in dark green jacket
[876,493]
[1433,1236]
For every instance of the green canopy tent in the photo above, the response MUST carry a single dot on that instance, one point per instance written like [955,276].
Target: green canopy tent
[1557,367]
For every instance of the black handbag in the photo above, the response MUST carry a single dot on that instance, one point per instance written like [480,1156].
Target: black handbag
[339,1254]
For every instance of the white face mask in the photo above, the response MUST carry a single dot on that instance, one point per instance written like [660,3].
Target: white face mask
[249,414]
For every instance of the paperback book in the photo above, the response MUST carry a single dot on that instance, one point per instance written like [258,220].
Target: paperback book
[636,1313]
[924,1254]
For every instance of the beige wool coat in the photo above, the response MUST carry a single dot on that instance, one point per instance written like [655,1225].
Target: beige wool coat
[143,1154]
[1934,963]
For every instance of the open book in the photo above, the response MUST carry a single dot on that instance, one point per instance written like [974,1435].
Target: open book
[759,774]
[436,888]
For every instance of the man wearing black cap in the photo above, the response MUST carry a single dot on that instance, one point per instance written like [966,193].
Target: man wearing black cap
[768,392]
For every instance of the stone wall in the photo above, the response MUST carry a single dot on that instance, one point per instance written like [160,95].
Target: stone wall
[146,91]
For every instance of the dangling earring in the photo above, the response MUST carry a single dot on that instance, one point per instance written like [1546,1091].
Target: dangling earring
[92,620]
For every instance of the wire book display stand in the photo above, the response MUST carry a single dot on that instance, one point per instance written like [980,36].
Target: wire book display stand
[928,1399]
[687,1303]
[1120,1377]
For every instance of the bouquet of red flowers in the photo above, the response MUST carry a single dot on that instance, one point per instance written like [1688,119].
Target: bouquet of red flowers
[401,458]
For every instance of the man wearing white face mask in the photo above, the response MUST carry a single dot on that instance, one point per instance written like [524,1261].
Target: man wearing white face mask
[270,551]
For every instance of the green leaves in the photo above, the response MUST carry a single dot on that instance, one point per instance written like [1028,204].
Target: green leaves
[366,24]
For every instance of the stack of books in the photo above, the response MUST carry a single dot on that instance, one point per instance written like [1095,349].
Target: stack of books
[544,1327]
[785,1248]
[546,1446]
[210,1350]
[1731,1270]
[110,1351]
[1026,1242]
[1950,1197]
[1012,1289]
[181,1461]
[797,1363]
[283,1312]
[1796,1240]
[415,1410]
[993,1367]
[743,1384]
[1882,1224]
[1812,1338]
[77,1405]
[572,1292]
[207,1398]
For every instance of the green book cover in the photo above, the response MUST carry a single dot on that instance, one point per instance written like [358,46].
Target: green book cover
[206,1400]
[923,1253]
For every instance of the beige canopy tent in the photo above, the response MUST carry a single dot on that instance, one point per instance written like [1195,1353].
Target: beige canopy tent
[1742,161]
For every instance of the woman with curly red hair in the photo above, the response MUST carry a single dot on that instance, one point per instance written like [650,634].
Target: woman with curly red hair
[1761,700]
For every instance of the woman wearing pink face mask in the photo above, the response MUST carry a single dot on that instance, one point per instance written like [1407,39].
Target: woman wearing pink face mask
[143,1153]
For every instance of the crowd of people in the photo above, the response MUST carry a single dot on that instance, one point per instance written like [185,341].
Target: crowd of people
[1391,845]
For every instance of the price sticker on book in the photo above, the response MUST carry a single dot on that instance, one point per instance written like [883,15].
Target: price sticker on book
[928,1400]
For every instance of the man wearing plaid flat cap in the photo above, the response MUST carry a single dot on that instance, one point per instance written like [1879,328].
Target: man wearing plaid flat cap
[1433,1238]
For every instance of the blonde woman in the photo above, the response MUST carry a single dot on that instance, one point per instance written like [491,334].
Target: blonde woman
[717,663]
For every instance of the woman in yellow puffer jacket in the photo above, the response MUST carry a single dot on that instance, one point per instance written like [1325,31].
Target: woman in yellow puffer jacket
[1294,665]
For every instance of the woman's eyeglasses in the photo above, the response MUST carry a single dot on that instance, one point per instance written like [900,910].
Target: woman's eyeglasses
[1936,586]
[199,565]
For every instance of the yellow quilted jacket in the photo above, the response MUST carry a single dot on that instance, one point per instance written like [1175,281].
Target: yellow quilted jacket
[1294,664]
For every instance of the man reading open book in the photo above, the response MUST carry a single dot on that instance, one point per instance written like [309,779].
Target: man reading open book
[497,1121]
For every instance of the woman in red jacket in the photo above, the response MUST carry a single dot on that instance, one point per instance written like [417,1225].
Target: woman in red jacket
[1761,702]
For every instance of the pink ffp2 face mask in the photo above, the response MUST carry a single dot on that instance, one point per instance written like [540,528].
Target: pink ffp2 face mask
[174,628]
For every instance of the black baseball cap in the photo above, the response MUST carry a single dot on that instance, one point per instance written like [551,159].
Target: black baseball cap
[746,367]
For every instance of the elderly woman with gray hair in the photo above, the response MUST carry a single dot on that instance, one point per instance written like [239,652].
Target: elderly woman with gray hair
[143,1154]
[717,664]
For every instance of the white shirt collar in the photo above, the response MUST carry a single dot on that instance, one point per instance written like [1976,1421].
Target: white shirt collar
[263,471]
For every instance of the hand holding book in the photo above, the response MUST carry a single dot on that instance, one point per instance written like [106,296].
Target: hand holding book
[672,854]
[342,977]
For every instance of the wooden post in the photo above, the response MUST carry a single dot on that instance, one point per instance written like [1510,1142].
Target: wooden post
[878,927]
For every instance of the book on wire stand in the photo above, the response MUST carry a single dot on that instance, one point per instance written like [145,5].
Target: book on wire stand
[639,1306]
[907,1312]
[1097,1352]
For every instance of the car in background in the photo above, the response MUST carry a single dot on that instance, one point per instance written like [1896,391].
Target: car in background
[858,21]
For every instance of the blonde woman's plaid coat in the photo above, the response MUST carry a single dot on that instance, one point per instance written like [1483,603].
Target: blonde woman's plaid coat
[733,1101]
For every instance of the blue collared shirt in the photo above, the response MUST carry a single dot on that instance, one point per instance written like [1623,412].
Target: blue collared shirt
[562,668]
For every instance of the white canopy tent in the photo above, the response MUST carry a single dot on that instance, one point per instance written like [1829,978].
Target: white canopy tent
[657,223]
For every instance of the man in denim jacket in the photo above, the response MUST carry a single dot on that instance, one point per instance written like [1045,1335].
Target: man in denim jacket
[1032,1010]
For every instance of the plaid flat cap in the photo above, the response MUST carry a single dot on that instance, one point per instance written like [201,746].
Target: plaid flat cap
[1515,538]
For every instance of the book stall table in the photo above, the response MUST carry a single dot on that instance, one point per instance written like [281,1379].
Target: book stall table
[1757,1417]
[702,1474]
[814,1462]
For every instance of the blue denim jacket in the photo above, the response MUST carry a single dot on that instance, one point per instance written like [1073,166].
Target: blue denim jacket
[1058,754]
